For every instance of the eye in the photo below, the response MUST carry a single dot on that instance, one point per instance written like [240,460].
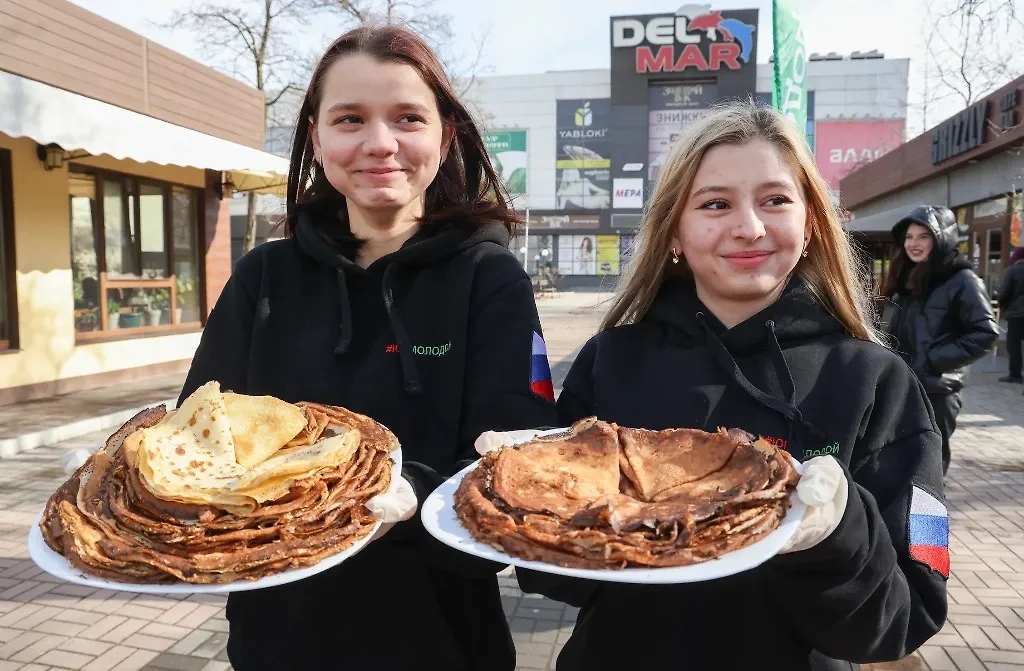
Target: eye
[347,119]
[778,201]
[714,205]
[412,118]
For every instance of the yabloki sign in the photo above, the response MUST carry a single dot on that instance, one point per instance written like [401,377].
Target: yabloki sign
[694,38]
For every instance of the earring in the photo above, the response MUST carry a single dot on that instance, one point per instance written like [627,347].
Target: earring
[675,256]
[807,243]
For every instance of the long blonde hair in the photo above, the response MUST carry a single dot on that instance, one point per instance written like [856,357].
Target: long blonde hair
[830,267]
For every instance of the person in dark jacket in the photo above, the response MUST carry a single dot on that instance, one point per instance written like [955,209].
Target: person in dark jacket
[394,295]
[1011,308]
[740,310]
[938,315]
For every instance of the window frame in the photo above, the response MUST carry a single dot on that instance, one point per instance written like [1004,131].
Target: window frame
[8,265]
[131,187]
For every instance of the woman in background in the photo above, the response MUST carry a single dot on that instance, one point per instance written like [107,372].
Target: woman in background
[939,314]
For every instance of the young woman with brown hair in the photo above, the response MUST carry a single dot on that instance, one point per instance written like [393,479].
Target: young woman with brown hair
[393,295]
[938,315]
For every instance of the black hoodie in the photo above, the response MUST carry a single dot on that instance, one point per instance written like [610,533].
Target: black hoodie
[440,341]
[792,375]
[950,325]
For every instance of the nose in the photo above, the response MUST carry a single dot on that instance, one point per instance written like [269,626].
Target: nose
[380,141]
[749,225]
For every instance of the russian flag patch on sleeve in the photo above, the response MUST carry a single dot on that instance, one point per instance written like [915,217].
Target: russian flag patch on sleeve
[929,531]
[540,372]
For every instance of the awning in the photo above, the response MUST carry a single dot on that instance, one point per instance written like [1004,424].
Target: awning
[880,222]
[51,115]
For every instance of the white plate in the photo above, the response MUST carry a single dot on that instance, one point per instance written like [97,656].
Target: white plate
[56,565]
[440,520]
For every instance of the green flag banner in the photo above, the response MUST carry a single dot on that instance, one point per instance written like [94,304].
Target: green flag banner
[507,150]
[790,92]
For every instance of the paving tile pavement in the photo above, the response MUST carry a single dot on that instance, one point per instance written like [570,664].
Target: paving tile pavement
[46,624]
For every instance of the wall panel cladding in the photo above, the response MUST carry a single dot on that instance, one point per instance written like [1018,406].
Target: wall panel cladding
[63,45]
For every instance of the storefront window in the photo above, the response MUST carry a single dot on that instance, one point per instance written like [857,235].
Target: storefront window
[184,215]
[135,253]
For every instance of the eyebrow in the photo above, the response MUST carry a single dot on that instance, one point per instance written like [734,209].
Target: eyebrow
[724,189]
[404,107]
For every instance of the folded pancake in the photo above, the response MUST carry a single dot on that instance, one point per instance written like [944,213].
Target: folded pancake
[561,476]
[261,425]
[673,498]
[662,460]
[299,505]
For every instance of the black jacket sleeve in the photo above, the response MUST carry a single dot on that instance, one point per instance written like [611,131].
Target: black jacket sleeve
[496,394]
[975,331]
[1006,287]
[860,595]
[223,352]
[574,403]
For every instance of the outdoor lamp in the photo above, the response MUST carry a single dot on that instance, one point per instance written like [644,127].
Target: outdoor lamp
[52,156]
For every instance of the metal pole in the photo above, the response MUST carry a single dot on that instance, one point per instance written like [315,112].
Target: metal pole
[526,241]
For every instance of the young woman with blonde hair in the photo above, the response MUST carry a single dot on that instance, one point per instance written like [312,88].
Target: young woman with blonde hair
[741,308]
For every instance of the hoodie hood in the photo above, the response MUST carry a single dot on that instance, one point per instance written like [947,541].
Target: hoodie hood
[430,244]
[797,316]
[945,258]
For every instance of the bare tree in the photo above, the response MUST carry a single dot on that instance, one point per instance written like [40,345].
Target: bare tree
[255,41]
[425,19]
[974,47]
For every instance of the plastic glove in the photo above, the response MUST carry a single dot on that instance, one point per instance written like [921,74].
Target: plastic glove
[396,506]
[489,441]
[824,490]
[73,459]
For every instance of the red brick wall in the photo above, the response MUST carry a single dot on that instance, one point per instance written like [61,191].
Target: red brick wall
[217,238]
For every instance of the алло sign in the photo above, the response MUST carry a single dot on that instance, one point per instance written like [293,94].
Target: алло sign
[729,41]
[965,131]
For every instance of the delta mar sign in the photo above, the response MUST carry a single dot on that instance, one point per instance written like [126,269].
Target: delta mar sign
[693,38]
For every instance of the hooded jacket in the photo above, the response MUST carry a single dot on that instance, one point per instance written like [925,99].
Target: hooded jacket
[870,591]
[439,341]
[1011,289]
[952,325]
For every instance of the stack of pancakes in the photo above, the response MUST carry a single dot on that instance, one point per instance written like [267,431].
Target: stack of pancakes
[608,497]
[225,488]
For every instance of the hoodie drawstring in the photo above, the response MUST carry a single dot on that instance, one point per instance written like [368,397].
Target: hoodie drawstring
[787,409]
[410,377]
[345,339]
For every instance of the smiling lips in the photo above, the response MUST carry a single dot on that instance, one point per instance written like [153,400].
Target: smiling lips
[381,174]
[747,260]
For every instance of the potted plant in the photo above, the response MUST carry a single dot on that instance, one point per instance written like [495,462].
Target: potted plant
[154,307]
[114,313]
[162,304]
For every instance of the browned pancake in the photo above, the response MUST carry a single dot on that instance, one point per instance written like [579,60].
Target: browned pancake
[681,496]
[561,476]
[662,460]
[107,523]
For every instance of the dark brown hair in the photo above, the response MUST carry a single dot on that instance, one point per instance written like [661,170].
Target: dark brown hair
[466,190]
[905,275]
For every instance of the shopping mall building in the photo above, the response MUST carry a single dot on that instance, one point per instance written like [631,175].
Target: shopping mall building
[580,149]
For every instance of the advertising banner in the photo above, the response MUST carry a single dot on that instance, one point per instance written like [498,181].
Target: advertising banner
[507,150]
[629,193]
[583,164]
[670,109]
[607,255]
[840,147]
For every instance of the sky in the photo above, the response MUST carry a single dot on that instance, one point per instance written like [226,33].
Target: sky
[533,36]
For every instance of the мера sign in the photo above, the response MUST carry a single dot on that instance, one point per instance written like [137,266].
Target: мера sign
[965,131]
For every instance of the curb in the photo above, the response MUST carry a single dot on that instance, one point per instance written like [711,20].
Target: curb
[9,447]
